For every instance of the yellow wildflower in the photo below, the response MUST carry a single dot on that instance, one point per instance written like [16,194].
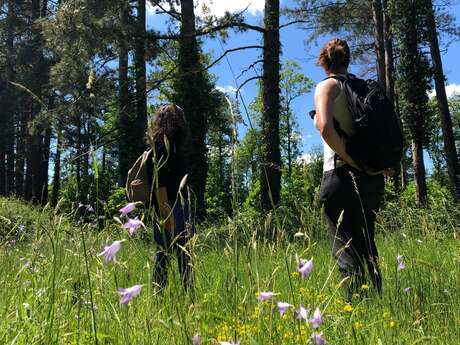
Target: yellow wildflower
[348,307]
[392,324]
[365,287]
[358,325]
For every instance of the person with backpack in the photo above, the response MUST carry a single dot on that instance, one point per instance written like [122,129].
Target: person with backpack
[166,171]
[356,153]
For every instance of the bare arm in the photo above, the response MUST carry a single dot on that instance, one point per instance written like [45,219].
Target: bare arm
[165,208]
[325,94]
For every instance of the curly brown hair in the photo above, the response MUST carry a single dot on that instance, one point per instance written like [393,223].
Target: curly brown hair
[169,121]
[334,55]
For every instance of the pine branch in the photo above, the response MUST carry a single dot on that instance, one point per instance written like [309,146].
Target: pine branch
[231,51]
[249,67]
[257,77]
[171,13]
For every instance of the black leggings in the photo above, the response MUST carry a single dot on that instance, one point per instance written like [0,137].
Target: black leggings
[172,244]
[351,200]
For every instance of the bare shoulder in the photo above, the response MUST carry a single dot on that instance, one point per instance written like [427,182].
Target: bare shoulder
[327,87]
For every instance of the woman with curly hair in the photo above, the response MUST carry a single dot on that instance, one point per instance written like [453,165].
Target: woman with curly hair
[167,171]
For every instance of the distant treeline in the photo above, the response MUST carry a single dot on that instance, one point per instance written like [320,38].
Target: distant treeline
[80,78]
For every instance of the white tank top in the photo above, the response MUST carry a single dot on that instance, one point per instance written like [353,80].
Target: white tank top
[343,117]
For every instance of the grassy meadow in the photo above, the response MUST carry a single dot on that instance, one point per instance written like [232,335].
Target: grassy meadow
[55,289]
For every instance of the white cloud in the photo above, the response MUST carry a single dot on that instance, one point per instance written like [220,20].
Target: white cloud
[226,89]
[451,89]
[305,159]
[219,7]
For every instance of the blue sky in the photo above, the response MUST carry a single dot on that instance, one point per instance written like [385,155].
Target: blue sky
[293,48]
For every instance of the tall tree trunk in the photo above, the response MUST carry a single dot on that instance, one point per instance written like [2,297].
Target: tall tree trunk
[450,151]
[289,144]
[28,150]
[86,143]
[78,159]
[270,180]
[389,83]
[45,164]
[414,86]
[8,101]
[20,155]
[419,172]
[402,166]
[140,68]
[379,40]
[191,95]
[57,170]
[2,158]
[38,129]
[124,121]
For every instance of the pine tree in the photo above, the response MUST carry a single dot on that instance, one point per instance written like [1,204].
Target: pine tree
[453,167]
[413,85]
[270,179]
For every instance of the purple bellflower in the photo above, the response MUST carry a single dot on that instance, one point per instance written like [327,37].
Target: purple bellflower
[196,340]
[302,313]
[283,307]
[265,296]
[127,209]
[129,293]
[305,268]
[317,338]
[110,252]
[132,225]
[400,262]
[317,318]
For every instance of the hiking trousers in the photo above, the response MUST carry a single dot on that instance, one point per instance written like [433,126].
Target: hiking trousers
[350,201]
[173,243]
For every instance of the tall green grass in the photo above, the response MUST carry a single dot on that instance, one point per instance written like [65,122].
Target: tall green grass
[56,292]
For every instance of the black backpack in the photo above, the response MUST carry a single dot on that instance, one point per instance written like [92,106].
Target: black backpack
[378,140]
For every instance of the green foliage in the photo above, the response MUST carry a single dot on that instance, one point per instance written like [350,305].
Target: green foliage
[19,221]
[293,84]
[115,201]
[59,270]
[436,145]
[350,20]
[439,194]
[303,186]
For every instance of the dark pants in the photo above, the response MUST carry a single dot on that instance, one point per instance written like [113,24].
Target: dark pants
[172,243]
[350,207]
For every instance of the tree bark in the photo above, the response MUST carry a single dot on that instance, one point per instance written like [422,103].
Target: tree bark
[140,71]
[57,170]
[450,151]
[191,94]
[419,173]
[36,148]
[289,153]
[20,155]
[270,180]
[414,88]
[45,164]
[379,41]
[8,102]
[28,150]
[78,159]
[390,84]
[124,130]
